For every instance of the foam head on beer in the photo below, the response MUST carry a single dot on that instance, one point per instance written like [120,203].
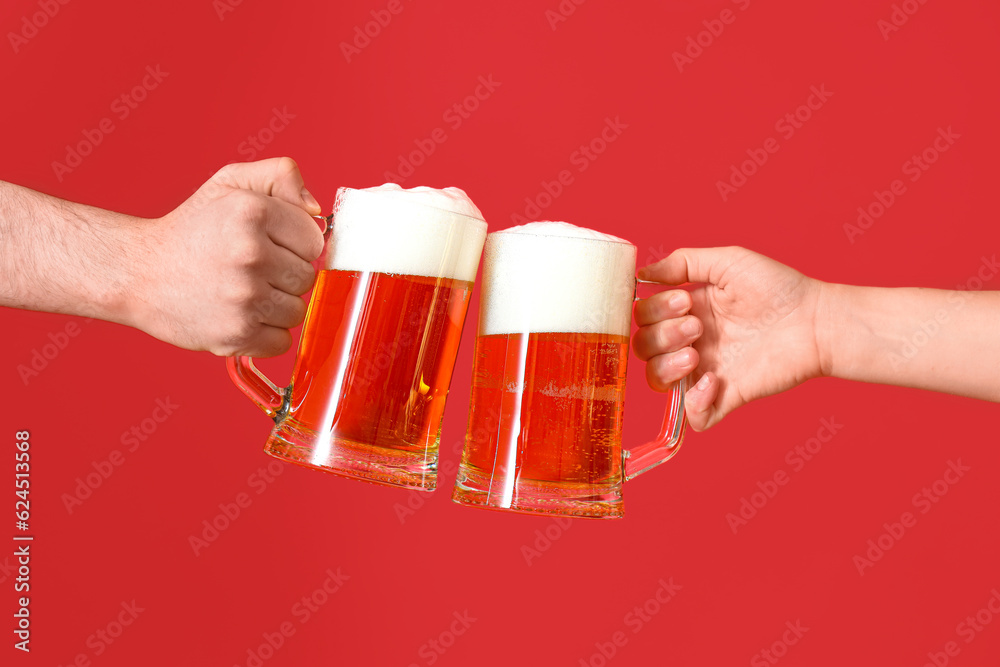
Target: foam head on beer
[559,278]
[417,232]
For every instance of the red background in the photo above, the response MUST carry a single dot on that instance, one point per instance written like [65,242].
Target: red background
[656,185]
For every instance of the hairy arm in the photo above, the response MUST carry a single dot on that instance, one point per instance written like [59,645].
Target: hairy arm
[222,272]
[68,258]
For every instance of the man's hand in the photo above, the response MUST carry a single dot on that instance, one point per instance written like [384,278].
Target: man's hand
[225,271]
[748,328]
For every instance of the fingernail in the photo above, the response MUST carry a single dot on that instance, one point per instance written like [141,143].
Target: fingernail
[690,327]
[309,200]
[677,301]
[682,358]
[703,383]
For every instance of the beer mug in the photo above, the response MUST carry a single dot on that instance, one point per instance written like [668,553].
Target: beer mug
[548,386]
[380,338]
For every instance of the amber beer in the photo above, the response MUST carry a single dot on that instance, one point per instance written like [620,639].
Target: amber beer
[383,348]
[569,421]
[381,336]
[548,386]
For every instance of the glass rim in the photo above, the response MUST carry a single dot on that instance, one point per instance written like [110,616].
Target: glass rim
[618,242]
[346,190]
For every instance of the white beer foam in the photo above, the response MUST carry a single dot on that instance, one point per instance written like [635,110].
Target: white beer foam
[416,232]
[559,278]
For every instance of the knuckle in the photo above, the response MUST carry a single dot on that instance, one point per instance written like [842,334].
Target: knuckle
[248,206]
[318,244]
[640,343]
[298,309]
[286,166]
[642,310]
[657,373]
[694,324]
[739,252]
[242,293]
[308,278]
[655,308]
[698,424]
[297,279]
[246,252]
[662,335]
[236,337]
[683,295]
[277,343]
[224,173]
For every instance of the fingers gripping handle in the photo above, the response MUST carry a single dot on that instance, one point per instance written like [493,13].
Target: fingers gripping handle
[268,396]
[263,392]
[646,457]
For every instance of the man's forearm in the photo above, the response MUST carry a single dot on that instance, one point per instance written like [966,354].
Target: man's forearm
[63,257]
[931,339]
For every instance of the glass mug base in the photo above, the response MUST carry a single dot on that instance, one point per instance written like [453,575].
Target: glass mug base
[356,460]
[479,489]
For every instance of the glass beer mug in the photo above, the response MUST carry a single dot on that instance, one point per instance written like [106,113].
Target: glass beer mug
[380,338]
[548,386]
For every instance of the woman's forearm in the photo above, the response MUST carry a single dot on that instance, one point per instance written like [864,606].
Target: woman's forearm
[926,338]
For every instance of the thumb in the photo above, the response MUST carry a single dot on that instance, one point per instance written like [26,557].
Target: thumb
[693,265]
[277,177]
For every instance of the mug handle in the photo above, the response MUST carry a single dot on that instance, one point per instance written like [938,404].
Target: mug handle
[668,442]
[265,394]
[268,396]
[666,445]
